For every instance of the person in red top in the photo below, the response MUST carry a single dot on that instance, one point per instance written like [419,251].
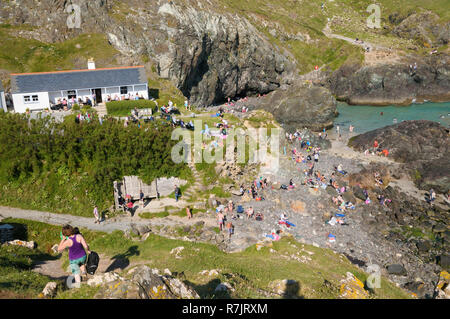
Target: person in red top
[375,144]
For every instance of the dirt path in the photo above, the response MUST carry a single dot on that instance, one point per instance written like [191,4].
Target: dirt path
[54,268]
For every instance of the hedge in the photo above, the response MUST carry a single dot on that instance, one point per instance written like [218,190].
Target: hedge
[123,108]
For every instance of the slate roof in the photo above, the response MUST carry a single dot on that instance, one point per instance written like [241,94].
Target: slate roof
[77,79]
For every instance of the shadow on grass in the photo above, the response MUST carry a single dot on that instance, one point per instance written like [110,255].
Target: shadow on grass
[121,261]
[208,290]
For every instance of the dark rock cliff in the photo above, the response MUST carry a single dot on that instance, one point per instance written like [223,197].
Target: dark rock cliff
[424,146]
[393,84]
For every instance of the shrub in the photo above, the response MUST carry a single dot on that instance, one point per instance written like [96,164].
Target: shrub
[67,167]
[76,107]
[123,108]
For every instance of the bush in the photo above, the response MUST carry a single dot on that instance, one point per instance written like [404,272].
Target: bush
[66,167]
[76,107]
[123,108]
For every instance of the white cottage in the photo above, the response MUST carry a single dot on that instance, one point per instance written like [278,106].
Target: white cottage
[2,98]
[37,91]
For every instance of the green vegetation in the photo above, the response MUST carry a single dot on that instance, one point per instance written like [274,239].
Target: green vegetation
[68,168]
[248,272]
[123,108]
[18,54]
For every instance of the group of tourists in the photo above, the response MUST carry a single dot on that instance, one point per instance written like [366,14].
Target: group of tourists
[125,97]
[376,149]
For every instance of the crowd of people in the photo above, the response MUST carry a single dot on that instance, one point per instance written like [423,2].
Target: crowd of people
[125,97]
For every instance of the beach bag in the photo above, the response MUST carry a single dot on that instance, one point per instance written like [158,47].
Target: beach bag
[92,263]
[240,209]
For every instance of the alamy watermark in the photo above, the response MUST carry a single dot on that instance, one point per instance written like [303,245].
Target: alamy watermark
[231,145]
[374,20]
[74,19]
[374,279]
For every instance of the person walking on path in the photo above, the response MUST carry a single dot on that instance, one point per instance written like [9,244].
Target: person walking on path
[96,215]
[188,212]
[177,192]
[230,229]
[141,198]
[77,252]
[220,219]
[432,196]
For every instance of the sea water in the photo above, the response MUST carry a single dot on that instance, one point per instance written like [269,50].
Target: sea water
[366,118]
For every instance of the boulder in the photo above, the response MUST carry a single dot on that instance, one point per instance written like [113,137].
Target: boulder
[348,197]
[352,288]
[424,27]
[27,244]
[423,246]
[101,279]
[297,108]
[178,288]
[424,147]
[443,286]
[439,228]
[396,269]
[358,193]
[416,287]
[387,84]
[444,261]
[50,289]
[151,286]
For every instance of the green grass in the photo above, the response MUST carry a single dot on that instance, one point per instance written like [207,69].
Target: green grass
[24,55]
[246,271]
[154,215]
[124,108]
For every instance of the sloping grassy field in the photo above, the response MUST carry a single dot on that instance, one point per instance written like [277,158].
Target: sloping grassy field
[249,272]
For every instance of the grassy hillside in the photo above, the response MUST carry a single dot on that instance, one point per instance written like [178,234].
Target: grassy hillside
[20,54]
[249,272]
[296,26]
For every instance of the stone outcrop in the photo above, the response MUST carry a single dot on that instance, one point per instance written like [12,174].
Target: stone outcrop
[142,282]
[352,288]
[389,84]
[297,108]
[423,145]
[424,27]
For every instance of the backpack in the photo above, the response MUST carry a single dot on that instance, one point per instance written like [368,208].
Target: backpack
[92,263]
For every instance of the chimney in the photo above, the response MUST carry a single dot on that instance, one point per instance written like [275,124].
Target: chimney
[91,64]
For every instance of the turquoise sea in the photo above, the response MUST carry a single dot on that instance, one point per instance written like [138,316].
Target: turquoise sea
[366,118]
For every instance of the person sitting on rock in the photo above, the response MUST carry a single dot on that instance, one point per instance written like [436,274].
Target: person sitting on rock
[259,216]
[291,184]
[250,212]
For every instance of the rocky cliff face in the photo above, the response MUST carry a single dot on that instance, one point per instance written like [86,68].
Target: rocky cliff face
[210,56]
[393,84]
[299,107]
[425,28]
[424,146]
